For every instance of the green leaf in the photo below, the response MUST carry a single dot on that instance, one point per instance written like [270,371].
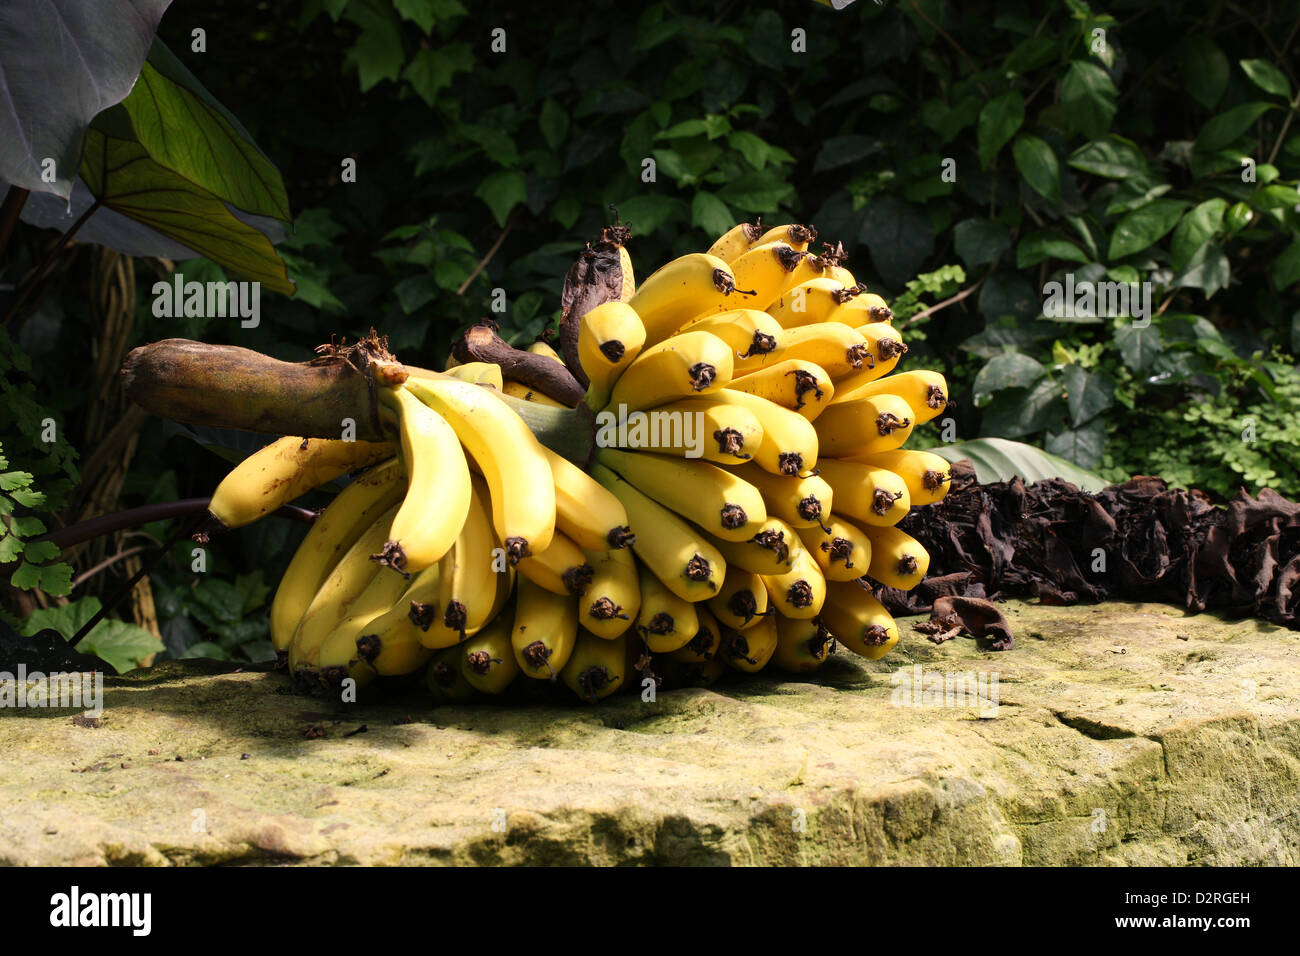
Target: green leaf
[1205,71]
[647,214]
[415,291]
[12,480]
[377,53]
[1089,98]
[1195,229]
[502,191]
[839,151]
[999,120]
[553,121]
[1037,246]
[1038,164]
[1088,394]
[1144,226]
[899,235]
[979,241]
[1208,269]
[1029,54]
[1286,267]
[997,459]
[752,147]
[1139,346]
[692,127]
[710,214]
[431,70]
[757,192]
[1008,370]
[1223,130]
[1084,446]
[1276,196]
[121,644]
[1114,158]
[1267,77]
[10,547]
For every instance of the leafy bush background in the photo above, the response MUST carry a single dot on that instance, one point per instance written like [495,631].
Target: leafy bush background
[1120,161]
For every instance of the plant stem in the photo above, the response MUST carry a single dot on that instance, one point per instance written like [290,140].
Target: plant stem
[64,538]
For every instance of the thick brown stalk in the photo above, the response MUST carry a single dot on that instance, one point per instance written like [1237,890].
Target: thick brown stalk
[596,278]
[480,343]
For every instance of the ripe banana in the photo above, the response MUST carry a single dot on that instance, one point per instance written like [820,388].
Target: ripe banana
[864,427]
[843,552]
[487,660]
[801,502]
[925,392]
[285,469]
[562,568]
[796,236]
[735,242]
[704,645]
[438,487]
[789,446]
[479,373]
[926,475]
[584,509]
[344,519]
[610,337]
[692,363]
[802,646]
[541,348]
[511,459]
[748,332]
[689,566]
[665,621]
[613,599]
[726,434]
[884,348]
[799,592]
[858,621]
[597,668]
[472,583]
[445,681]
[339,648]
[545,628]
[897,559]
[684,288]
[751,649]
[866,307]
[869,495]
[741,600]
[759,276]
[794,384]
[810,303]
[521,391]
[841,351]
[770,551]
[712,497]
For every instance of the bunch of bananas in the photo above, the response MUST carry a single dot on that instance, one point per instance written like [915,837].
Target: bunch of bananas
[745,486]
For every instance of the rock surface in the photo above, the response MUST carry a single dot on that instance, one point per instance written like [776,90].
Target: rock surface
[1123,734]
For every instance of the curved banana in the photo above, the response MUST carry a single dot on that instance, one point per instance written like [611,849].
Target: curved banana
[689,566]
[747,332]
[802,646]
[680,290]
[884,348]
[339,649]
[789,446]
[596,668]
[712,497]
[445,681]
[858,621]
[344,519]
[751,649]
[741,600]
[842,550]
[810,303]
[866,307]
[511,459]
[692,363]
[528,394]
[799,592]
[926,474]
[610,337]
[800,501]
[841,351]
[562,568]
[897,559]
[613,599]
[735,242]
[796,236]
[487,660]
[727,434]
[704,645]
[285,469]
[473,581]
[479,373]
[864,427]
[542,348]
[438,487]
[665,621]
[866,494]
[770,551]
[925,392]
[584,509]
[545,628]
[800,386]
[759,275]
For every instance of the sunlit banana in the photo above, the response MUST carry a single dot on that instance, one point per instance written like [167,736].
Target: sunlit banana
[285,469]
[479,373]
[810,303]
[789,445]
[708,638]
[864,427]
[862,308]
[670,547]
[596,668]
[562,568]
[741,600]
[751,649]
[584,509]
[511,459]
[799,592]
[897,559]
[487,660]
[858,621]
[735,242]
[796,236]
[802,646]
[841,351]
[926,474]
[339,649]
[700,491]
[610,337]
[545,628]
[866,494]
[770,551]
[529,394]
[693,363]
[682,289]
[470,585]
[438,486]
[613,599]
[759,276]
[800,386]
[541,348]
[842,550]
[925,392]
[344,519]
[699,427]
[665,621]
[800,501]
[884,348]
[748,332]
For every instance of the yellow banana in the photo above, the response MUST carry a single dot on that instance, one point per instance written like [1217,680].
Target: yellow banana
[770,551]
[864,427]
[528,394]
[285,469]
[479,373]
[926,475]
[562,568]
[800,386]
[811,303]
[712,497]
[339,648]
[844,277]
[925,392]
[842,550]
[613,599]
[511,459]
[704,645]
[665,621]
[545,628]
[584,509]
[541,348]
[682,289]
[337,528]
[438,487]
[725,434]
[470,585]
[487,660]
[796,236]
[672,549]
[751,649]
[810,267]
[866,494]
[858,621]
[445,681]
[884,348]
[597,668]
[748,332]
[863,308]
[409,622]
[789,446]
[802,646]
[741,600]
[897,559]
[610,337]
[692,363]
[799,592]
[801,502]
[841,351]
[735,242]
[759,276]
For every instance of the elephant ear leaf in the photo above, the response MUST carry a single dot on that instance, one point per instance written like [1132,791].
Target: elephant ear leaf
[61,63]
[998,459]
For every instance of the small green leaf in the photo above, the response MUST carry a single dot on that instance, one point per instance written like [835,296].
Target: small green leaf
[1276,196]
[1088,394]
[1195,229]
[502,191]
[1114,158]
[1224,129]
[1205,71]
[999,120]
[1139,346]
[553,121]
[1008,370]
[648,214]
[979,241]
[1144,226]
[1038,164]
[1037,246]
[1267,77]
[757,192]
[1208,269]
[752,147]
[710,214]
[431,70]
[1089,98]
[1286,267]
